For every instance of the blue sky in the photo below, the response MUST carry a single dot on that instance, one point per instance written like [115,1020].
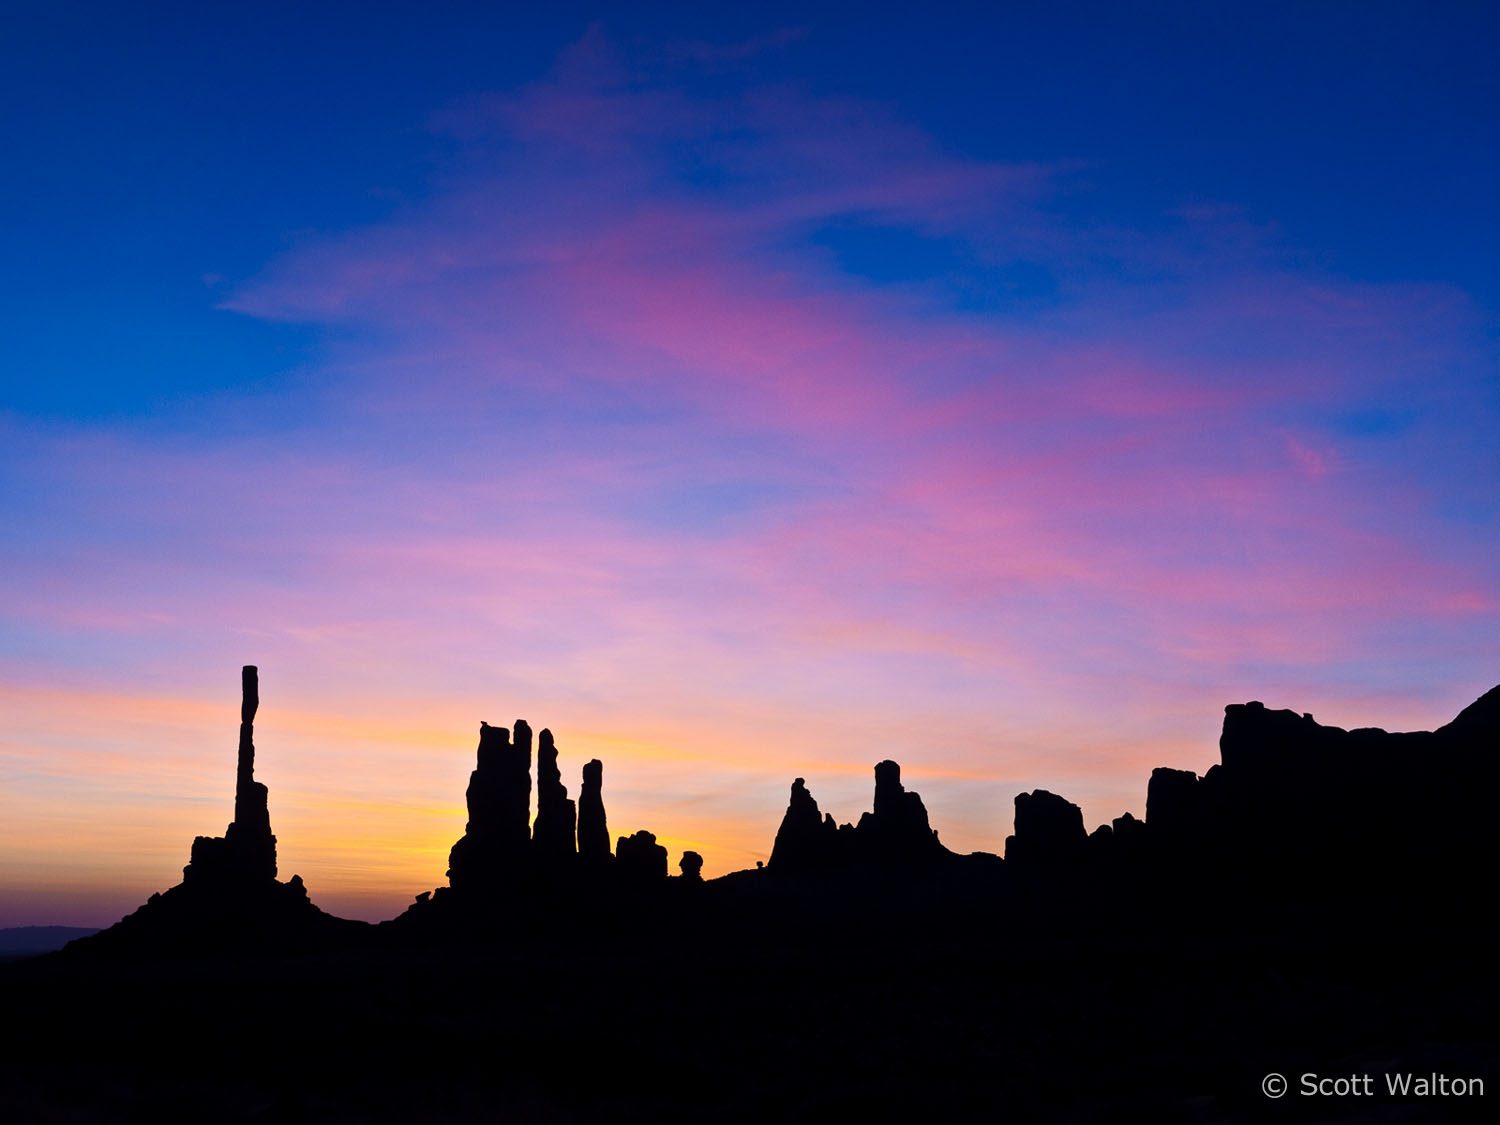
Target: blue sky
[153,145]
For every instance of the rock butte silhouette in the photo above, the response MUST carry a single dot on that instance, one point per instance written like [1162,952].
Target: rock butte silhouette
[1292,807]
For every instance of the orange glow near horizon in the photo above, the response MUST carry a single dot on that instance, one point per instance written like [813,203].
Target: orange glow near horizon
[366,808]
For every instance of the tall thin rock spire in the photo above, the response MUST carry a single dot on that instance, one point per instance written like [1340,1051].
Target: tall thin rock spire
[247,850]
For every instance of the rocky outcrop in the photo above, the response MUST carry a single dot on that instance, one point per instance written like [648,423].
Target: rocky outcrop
[553,832]
[1127,837]
[1101,842]
[897,830]
[806,840]
[1049,830]
[895,834]
[1293,795]
[1296,807]
[1477,724]
[1173,808]
[495,845]
[640,859]
[691,867]
[593,829]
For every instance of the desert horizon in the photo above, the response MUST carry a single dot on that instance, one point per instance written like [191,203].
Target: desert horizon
[331,867]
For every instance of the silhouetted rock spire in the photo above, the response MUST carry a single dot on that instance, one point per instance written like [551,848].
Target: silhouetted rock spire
[593,830]
[250,839]
[229,898]
[897,829]
[247,850]
[806,840]
[552,834]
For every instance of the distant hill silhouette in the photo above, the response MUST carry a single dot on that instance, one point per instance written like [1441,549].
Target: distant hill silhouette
[27,940]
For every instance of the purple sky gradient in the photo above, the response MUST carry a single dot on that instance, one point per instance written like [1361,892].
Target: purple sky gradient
[736,436]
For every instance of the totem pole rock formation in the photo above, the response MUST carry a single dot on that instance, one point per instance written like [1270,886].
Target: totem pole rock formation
[229,898]
[247,850]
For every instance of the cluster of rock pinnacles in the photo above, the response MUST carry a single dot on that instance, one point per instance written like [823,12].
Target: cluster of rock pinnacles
[501,845]
[1290,799]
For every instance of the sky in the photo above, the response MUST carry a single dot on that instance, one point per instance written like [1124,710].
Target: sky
[742,393]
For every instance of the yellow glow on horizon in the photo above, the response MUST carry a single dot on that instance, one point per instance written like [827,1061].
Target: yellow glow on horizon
[366,796]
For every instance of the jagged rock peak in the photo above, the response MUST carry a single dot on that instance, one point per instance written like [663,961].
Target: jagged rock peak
[555,814]
[805,839]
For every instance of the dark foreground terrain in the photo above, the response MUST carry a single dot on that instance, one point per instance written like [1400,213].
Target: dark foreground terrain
[885,1013]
